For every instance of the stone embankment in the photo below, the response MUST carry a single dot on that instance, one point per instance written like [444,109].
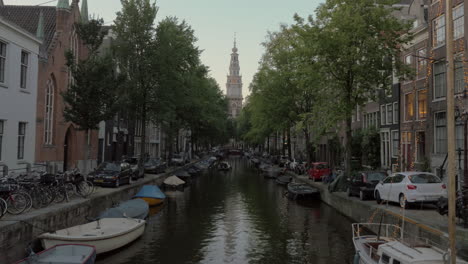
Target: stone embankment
[420,222]
[16,232]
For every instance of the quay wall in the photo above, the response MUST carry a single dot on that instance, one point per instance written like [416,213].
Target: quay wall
[370,211]
[17,232]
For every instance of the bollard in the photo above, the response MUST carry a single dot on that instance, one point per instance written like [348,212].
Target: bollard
[28,167]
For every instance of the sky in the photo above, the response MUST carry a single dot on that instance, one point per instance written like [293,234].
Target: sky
[214,23]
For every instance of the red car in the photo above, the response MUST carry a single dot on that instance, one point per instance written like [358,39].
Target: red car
[318,170]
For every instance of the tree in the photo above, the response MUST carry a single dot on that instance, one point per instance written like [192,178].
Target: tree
[134,46]
[356,42]
[91,96]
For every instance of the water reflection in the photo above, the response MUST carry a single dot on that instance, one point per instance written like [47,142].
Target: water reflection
[239,217]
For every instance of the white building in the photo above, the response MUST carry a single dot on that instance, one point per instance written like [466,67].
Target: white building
[18,93]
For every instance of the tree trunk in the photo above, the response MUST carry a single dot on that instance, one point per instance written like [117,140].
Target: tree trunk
[348,145]
[308,146]
[143,142]
[283,145]
[289,142]
[87,152]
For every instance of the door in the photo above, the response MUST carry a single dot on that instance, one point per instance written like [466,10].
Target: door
[397,187]
[386,188]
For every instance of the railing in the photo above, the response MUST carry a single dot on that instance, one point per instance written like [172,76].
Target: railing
[386,230]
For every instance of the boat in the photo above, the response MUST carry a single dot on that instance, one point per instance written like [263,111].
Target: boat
[150,194]
[301,191]
[105,234]
[193,171]
[63,254]
[173,182]
[388,246]
[137,209]
[272,172]
[224,166]
[183,175]
[283,180]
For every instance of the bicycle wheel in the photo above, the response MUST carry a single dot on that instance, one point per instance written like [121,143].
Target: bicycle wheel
[16,203]
[84,189]
[71,190]
[59,194]
[3,207]
[28,200]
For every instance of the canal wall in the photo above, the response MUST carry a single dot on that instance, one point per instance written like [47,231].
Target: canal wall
[16,232]
[418,223]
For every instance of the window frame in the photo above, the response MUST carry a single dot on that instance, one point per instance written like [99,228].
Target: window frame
[444,82]
[383,115]
[458,17]
[21,140]
[459,64]
[418,117]
[436,138]
[24,69]
[439,28]
[49,112]
[389,118]
[395,113]
[421,63]
[395,140]
[2,132]
[406,118]
[3,60]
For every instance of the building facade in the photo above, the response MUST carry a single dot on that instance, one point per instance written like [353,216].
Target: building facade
[19,51]
[234,85]
[58,142]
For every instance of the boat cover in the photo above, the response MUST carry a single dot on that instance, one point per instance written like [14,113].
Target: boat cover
[182,173]
[63,254]
[150,191]
[137,209]
[173,181]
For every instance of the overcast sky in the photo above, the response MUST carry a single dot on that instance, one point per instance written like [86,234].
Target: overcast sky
[215,22]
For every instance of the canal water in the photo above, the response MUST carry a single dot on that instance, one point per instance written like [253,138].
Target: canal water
[239,217]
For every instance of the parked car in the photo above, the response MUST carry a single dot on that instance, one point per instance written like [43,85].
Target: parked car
[112,174]
[177,159]
[133,161]
[283,160]
[410,187]
[362,183]
[318,170]
[155,166]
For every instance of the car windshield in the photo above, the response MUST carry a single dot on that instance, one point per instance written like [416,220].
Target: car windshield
[106,166]
[375,176]
[424,178]
[322,166]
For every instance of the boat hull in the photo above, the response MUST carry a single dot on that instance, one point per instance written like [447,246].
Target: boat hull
[152,201]
[102,245]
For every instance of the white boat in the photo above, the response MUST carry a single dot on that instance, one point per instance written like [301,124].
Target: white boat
[389,247]
[105,234]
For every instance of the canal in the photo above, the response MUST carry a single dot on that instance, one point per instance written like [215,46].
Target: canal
[239,217]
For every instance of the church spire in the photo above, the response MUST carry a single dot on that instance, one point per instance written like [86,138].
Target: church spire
[84,11]
[40,26]
[235,44]
[63,4]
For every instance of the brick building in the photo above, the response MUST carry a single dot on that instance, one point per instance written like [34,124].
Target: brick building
[57,141]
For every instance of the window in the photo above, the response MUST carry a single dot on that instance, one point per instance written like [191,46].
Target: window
[24,69]
[408,59]
[382,115]
[439,80]
[458,22]
[396,261]
[406,149]
[2,61]
[439,31]
[395,143]
[49,113]
[389,114]
[459,76]
[409,106]
[385,158]
[440,127]
[395,113]
[385,259]
[422,104]
[21,135]
[422,64]
[2,124]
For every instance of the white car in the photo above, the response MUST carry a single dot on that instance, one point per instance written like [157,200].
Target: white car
[410,187]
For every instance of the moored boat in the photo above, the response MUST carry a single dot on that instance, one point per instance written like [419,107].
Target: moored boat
[151,194]
[388,246]
[105,234]
[137,209]
[63,254]
[224,166]
[283,180]
[173,182]
[183,175]
[301,191]
[272,172]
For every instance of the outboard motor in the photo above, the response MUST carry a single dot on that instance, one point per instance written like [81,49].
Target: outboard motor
[442,206]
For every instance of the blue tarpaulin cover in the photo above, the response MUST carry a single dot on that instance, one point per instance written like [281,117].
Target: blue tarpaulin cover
[150,191]
[133,208]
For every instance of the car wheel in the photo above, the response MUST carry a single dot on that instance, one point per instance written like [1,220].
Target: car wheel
[348,192]
[362,195]
[402,200]
[377,197]
[117,183]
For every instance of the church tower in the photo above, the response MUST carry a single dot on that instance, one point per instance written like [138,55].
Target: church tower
[234,85]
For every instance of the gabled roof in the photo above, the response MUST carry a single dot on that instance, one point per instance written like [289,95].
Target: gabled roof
[27,17]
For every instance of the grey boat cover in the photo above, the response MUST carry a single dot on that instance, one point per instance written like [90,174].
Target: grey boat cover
[173,181]
[135,208]
[63,254]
